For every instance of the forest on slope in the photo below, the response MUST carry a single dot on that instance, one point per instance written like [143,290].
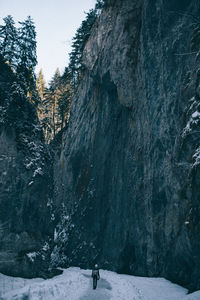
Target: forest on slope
[52,102]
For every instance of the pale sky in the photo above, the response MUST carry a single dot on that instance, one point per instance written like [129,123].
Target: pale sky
[56,22]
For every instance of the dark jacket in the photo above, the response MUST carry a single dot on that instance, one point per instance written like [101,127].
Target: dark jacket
[96,273]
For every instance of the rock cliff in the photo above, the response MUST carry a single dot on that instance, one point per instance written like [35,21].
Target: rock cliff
[127,174]
[25,183]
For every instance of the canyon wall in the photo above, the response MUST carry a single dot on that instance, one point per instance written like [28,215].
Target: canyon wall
[127,174]
[25,183]
[125,179]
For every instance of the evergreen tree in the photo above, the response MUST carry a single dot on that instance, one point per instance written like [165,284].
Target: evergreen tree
[50,121]
[7,77]
[54,95]
[8,40]
[54,83]
[27,56]
[40,84]
[76,67]
[100,4]
[41,89]
[27,44]
[56,104]
[64,99]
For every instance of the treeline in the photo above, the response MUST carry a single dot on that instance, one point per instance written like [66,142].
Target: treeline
[18,52]
[18,49]
[76,67]
[54,108]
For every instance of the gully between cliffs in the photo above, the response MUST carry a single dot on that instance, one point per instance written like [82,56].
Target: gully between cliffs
[125,176]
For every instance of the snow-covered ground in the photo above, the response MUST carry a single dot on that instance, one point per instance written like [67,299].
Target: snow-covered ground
[76,284]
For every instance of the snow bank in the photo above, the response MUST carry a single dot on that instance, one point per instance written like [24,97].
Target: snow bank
[76,284]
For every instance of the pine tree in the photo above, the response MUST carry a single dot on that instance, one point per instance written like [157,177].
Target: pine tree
[8,40]
[54,94]
[41,89]
[27,57]
[100,4]
[50,122]
[64,99]
[40,84]
[27,44]
[54,83]
[56,104]
[76,66]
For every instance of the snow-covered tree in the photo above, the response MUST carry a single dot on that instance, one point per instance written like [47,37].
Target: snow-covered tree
[27,44]
[8,40]
[27,57]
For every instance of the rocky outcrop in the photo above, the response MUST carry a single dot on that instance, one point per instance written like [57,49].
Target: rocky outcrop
[127,176]
[25,183]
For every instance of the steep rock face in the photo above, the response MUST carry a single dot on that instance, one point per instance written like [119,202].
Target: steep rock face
[127,176]
[25,183]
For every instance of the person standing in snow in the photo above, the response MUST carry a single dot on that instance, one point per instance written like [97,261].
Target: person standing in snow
[95,276]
